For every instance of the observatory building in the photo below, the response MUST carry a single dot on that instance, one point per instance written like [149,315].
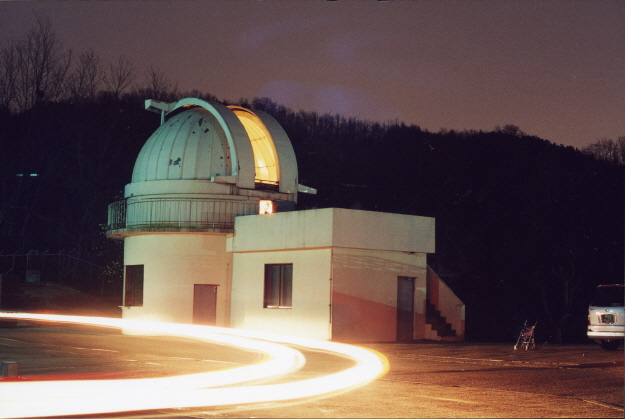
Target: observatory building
[211,236]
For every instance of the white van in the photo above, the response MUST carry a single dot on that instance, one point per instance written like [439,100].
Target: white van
[606,316]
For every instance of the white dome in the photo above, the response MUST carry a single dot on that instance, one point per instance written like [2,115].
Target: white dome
[205,165]
[190,145]
[210,142]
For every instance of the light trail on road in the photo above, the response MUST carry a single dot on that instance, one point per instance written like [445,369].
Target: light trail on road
[80,397]
[279,360]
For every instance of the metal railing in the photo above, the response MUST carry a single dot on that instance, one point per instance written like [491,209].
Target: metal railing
[151,213]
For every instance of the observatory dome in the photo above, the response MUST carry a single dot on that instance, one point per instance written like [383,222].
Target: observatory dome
[190,145]
[206,164]
[211,148]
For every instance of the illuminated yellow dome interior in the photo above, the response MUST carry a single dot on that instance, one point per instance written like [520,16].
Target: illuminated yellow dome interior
[265,161]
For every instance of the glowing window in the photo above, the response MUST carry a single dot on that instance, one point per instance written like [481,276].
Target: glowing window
[278,285]
[265,160]
[265,207]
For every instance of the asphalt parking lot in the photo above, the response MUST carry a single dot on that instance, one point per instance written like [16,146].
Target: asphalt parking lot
[425,379]
[473,380]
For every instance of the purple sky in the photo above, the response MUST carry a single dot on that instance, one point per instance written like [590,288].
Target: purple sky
[554,68]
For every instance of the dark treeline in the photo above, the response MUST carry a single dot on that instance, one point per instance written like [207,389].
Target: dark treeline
[525,228]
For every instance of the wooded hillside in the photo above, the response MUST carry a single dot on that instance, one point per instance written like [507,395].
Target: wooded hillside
[525,229]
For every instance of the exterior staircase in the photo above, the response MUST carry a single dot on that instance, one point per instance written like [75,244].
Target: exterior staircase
[438,323]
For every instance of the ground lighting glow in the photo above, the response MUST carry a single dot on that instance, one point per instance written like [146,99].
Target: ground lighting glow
[80,397]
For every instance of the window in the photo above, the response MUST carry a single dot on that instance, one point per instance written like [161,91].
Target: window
[278,285]
[133,292]
[608,296]
[265,207]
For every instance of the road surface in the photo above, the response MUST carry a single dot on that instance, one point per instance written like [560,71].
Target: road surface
[425,379]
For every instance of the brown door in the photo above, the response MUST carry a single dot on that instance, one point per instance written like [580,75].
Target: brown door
[405,308]
[204,304]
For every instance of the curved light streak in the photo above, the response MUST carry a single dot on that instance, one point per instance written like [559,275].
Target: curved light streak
[107,396]
[279,360]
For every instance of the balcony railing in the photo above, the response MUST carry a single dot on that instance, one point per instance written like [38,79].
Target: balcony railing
[136,214]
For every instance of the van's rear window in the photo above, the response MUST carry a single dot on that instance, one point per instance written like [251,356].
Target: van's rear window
[608,297]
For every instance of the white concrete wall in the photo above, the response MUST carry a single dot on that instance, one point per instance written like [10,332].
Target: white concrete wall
[449,306]
[363,252]
[286,230]
[364,306]
[382,231]
[173,263]
[310,315]
[334,227]
[452,308]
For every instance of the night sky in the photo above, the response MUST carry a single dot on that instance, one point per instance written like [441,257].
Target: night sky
[554,68]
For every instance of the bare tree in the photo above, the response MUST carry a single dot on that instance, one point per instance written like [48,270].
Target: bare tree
[86,79]
[119,77]
[158,86]
[556,294]
[510,129]
[42,65]
[607,150]
[8,74]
